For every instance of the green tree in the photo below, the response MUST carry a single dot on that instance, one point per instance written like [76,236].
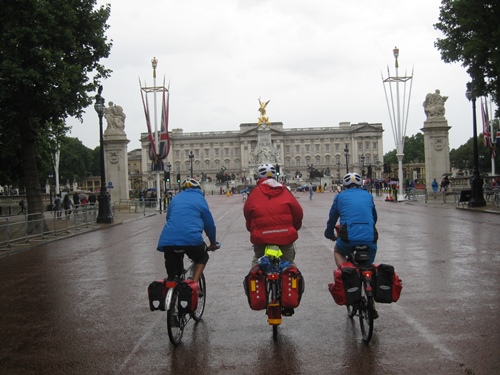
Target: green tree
[48,49]
[472,36]
[76,161]
[462,157]
[414,151]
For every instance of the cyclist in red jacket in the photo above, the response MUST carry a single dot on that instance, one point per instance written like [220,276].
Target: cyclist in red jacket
[273,215]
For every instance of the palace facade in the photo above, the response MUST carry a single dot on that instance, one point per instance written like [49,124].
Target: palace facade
[327,149]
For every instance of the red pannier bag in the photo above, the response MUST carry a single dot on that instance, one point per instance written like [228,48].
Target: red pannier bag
[387,284]
[292,287]
[346,288]
[157,292]
[188,296]
[255,288]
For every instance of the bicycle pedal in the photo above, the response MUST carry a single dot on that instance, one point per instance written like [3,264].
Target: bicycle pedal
[375,314]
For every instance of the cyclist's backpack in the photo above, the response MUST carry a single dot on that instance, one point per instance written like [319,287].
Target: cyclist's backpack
[157,292]
[346,289]
[292,287]
[188,296]
[255,288]
[387,285]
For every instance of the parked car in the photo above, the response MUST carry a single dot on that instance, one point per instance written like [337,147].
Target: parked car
[306,188]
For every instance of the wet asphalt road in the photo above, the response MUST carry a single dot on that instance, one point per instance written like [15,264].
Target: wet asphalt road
[79,305]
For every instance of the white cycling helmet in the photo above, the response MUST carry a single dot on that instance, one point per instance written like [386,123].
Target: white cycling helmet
[352,179]
[266,170]
[191,183]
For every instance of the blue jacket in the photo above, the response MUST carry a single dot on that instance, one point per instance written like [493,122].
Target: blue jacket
[188,216]
[358,217]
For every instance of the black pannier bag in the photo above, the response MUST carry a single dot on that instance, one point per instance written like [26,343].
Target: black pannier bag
[157,292]
[387,285]
[352,284]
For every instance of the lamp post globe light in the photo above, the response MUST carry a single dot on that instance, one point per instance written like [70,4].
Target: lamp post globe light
[476,182]
[346,153]
[104,215]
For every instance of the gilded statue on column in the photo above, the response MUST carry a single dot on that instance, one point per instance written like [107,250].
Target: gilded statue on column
[263,120]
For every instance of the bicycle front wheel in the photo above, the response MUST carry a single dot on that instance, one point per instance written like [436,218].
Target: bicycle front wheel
[175,321]
[365,312]
[202,295]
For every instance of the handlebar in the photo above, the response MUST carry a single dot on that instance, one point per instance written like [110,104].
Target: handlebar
[217,244]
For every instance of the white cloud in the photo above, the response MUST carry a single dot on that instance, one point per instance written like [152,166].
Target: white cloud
[319,62]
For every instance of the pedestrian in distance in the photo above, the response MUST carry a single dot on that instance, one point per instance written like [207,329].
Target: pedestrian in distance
[67,205]
[188,216]
[22,207]
[445,183]
[310,191]
[57,207]
[273,216]
[92,199]
[435,187]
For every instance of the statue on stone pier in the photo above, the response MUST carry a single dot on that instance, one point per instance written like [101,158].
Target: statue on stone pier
[115,117]
[434,104]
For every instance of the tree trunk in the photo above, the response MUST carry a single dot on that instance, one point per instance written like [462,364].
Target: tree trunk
[31,181]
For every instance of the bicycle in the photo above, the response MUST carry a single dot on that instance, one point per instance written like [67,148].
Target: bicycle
[276,273]
[177,318]
[365,308]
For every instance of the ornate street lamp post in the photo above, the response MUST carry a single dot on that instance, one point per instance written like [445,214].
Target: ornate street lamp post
[169,167]
[346,153]
[104,215]
[337,157]
[476,182]
[363,166]
[191,156]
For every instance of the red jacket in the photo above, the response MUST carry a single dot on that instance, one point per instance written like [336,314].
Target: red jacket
[273,215]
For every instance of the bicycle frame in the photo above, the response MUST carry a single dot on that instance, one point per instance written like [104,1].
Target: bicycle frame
[172,284]
[273,281]
[365,307]
[177,319]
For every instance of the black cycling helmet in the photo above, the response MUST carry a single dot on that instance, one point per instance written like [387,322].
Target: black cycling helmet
[352,180]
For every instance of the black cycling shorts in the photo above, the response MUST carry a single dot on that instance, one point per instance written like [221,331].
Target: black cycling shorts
[174,261]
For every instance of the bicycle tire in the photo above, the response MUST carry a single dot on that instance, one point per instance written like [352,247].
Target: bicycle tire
[365,312]
[351,311]
[275,332]
[175,321]
[202,295]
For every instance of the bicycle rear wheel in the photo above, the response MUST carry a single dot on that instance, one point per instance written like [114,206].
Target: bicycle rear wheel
[202,294]
[365,312]
[175,321]
[275,332]
[351,311]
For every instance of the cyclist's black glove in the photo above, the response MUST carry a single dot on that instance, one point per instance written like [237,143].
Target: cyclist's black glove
[330,235]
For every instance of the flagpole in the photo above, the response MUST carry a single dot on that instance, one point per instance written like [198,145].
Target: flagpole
[154,63]
[399,120]
[493,140]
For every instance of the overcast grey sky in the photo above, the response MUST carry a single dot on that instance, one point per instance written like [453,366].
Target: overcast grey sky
[318,61]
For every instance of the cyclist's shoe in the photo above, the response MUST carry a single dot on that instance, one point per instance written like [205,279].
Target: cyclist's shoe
[287,311]
[375,314]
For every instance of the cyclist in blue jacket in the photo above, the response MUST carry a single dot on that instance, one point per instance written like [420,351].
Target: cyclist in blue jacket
[188,216]
[356,209]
